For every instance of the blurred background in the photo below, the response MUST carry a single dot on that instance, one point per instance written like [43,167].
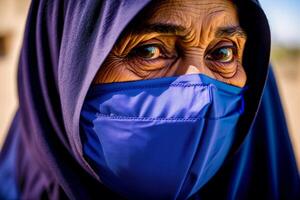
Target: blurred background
[284,19]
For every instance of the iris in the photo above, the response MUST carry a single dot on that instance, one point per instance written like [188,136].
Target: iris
[148,52]
[223,54]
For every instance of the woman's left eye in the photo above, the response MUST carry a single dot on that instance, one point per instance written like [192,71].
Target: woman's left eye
[147,52]
[222,54]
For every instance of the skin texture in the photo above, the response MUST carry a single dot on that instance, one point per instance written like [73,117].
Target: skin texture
[177,37]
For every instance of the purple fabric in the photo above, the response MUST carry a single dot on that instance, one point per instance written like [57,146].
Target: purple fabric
[65,43]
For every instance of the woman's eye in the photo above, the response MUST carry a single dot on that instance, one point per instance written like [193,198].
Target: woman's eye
[147,52]
[222,54]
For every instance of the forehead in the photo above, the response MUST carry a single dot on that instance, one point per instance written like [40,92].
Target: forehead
[193,12]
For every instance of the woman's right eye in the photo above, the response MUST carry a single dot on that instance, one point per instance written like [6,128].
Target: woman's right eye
[147,52]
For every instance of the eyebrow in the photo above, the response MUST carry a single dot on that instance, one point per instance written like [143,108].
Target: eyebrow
[161,28]
[173,29]
[230,32]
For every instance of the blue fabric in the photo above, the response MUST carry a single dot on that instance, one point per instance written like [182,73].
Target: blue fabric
[8,176]
[264,167]
[161,138]
[65,44]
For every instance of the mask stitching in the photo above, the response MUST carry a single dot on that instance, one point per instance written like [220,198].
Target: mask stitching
[162,118]
[95,91]
[150,87]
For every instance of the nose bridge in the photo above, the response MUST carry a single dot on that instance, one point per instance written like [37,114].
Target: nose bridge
[193,62]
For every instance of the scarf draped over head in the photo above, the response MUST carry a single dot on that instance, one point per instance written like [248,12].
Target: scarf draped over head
[65,43]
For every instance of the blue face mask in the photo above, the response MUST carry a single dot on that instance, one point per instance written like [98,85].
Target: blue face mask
[162,138]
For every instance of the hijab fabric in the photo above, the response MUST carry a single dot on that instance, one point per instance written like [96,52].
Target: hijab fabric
[65,43]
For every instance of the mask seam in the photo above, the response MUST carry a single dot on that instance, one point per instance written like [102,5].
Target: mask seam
[94,91]
[161,118]
[150,87]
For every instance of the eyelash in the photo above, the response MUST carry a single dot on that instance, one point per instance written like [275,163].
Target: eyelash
[163,52]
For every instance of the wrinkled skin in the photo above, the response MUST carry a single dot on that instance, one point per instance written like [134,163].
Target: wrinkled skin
[177,37]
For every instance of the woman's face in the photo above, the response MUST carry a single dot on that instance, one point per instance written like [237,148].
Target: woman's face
[177,37]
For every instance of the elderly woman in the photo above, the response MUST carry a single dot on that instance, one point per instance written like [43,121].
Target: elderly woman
[147,100]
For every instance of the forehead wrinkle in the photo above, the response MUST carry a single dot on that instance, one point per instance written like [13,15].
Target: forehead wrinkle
[188,6]
[208,17]
[209,22]
[177,10]
[202,16]
[208,26]
[221,20]
[169,7]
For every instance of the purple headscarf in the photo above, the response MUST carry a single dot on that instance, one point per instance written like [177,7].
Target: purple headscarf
[65,43]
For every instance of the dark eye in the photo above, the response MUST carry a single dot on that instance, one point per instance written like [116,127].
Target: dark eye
[222,54]
[147,52]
